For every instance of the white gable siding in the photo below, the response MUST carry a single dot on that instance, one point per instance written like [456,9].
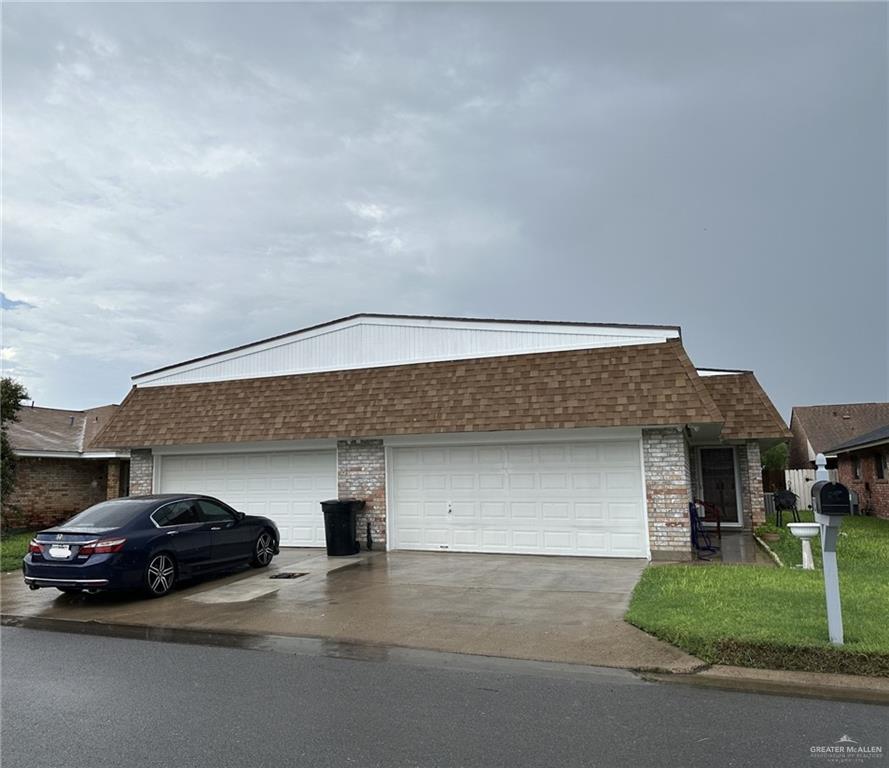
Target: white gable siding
[374,342]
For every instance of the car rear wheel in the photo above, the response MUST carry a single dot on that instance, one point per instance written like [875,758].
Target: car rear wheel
[160,574]
[263,550]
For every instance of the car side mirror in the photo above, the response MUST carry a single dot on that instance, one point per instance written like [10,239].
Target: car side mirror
[239,516]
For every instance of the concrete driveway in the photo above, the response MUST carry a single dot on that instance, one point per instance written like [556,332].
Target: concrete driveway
[542,608]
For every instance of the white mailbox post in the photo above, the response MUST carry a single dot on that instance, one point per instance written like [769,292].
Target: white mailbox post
[831,503]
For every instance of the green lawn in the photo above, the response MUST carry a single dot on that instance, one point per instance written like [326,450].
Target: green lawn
[13,548]
[775,617]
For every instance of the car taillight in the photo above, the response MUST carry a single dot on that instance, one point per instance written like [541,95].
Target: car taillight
[103,547]
[34,548]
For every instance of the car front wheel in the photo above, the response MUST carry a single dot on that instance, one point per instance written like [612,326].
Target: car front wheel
[160,575]
[264,550]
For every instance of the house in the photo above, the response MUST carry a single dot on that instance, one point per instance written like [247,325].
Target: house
[467,435]
[863,466]
[818,428]
[57,475]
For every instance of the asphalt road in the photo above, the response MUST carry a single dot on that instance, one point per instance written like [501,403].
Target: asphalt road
[99,701]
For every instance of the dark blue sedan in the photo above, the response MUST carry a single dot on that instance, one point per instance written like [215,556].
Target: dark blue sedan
[147,543]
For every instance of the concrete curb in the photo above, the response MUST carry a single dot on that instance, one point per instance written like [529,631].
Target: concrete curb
[810,685]
[769,551]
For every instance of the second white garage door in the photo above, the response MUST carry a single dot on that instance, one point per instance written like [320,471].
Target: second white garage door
[286,487]
[549,498]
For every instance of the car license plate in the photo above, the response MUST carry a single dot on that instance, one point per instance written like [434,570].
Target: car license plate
[60,550]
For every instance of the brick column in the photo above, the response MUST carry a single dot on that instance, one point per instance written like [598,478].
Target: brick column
[112,479]
[361,473]
[750,471]
[141,472]
[667,479]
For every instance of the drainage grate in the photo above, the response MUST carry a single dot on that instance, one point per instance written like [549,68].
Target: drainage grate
[287,575]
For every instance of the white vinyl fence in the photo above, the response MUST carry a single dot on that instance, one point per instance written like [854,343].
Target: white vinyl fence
[800,481]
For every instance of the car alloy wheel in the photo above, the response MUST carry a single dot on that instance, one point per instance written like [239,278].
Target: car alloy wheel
[161,574]
[265,549]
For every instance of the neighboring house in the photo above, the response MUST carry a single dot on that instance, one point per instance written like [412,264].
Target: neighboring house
[463,435]
[818,428]
[863,466]
[57,475]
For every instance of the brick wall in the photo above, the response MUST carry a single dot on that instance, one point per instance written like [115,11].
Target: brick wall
[750,471]
[141,472]
[873,493]
[48,491]
[667,479]
[361,473]
[112,485]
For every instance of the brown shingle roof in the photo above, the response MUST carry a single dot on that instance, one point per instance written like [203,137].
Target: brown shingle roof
[648,384]
[746,408]
[57,429]
[827,426]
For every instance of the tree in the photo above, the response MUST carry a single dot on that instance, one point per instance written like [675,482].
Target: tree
[11,395]
[775,459]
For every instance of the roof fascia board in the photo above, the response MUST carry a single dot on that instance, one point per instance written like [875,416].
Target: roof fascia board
[271,446]
[719,372]
[515,436]
[35,454]
[860,447]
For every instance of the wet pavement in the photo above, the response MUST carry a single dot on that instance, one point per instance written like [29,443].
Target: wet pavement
[160,704]
[736,547]
[539,608]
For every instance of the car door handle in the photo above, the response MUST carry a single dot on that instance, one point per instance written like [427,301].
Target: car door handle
[216,528]
[172,533]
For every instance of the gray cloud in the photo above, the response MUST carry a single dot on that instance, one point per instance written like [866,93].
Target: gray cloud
[182,178]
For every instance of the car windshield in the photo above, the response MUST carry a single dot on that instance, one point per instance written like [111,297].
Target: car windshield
[108,514]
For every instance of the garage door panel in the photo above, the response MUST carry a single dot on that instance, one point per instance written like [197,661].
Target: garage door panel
[528,540]
[436,457]
[463,510]
[551,498]
[462,456]
[493,510]
[586,481]
[592,543]
[556,510]
[523,510]
[626,543]
[492,457]
[466,538]
[589,512]
[435,482]
[499,539]
[558,540]
[286,487]
[491,482]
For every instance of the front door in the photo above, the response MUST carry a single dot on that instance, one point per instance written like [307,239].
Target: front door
[718,484]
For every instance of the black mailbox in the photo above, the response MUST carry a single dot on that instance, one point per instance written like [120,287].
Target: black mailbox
[831,498]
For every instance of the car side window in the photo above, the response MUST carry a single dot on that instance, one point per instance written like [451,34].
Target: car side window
[177,513]
[213,513]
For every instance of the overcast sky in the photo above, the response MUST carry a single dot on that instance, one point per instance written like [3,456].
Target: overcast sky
[179,179]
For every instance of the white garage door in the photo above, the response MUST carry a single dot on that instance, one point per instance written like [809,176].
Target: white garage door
[286,487]
[551,498]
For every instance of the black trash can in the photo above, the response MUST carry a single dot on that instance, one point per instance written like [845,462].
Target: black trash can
[339,525]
